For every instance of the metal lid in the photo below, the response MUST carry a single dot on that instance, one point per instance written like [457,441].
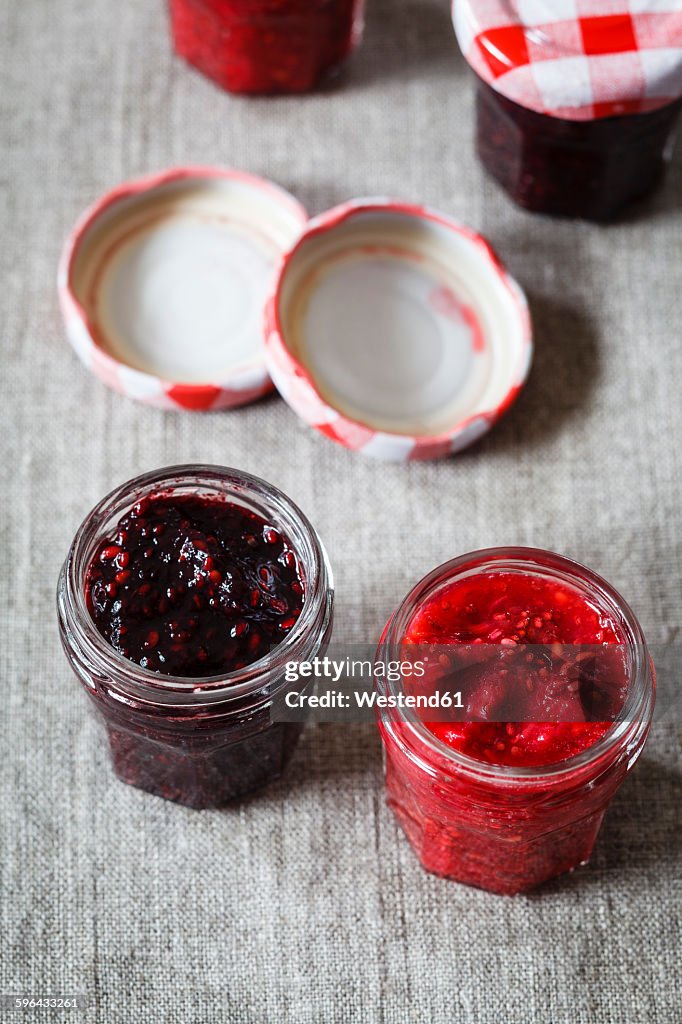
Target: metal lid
[395,331]
[575,59]
[163,283]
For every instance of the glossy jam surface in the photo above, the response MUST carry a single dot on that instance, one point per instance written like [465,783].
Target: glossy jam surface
[557,685]
[265,46]
[192,585]
[586,169]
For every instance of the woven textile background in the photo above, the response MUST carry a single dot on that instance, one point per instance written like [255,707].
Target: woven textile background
[305,904]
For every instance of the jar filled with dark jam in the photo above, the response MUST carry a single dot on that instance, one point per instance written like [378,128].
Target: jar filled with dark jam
[184,595]
[576,114]
[266,46]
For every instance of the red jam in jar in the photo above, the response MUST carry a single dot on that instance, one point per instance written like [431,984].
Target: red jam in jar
[513,792]
[266,46]
[183,596]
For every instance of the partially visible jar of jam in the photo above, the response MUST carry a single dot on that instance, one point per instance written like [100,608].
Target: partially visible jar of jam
[499,804]
[266,46]
[584,169]
[183,596]
[575,115]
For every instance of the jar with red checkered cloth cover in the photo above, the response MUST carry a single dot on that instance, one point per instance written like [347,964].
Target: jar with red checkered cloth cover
[577,99]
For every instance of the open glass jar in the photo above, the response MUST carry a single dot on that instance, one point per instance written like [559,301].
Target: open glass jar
[482,819]
[266,46]
[576,112]
[200,741]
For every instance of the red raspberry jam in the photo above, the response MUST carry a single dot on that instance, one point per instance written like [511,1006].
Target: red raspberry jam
[265,46]
[514,611]
[586,169]
[194,586]
[506,804]
[183,597]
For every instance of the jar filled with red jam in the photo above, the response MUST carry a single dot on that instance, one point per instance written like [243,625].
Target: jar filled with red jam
[576,105]
[183,596]
[554,689]
[266,46]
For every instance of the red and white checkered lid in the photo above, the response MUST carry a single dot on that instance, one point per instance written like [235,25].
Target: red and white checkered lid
[395,331]
[163,283]
[575,59]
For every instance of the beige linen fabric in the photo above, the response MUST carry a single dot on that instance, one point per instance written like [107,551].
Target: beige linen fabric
[305,904]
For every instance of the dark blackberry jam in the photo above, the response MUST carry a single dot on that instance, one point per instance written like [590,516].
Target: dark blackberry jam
[193,586]
[583,169]
[183,597]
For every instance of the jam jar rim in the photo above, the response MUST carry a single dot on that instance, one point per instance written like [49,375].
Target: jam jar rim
[630,729]
[144,683]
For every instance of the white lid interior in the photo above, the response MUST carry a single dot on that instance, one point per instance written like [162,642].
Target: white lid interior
[404,324]
[174,279]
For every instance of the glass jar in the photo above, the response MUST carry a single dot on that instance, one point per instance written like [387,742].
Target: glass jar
[266,46]
[576,105]
[201,742]
[586,169]
[495,826]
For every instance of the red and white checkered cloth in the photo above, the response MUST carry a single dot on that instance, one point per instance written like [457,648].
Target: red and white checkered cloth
[576,59]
